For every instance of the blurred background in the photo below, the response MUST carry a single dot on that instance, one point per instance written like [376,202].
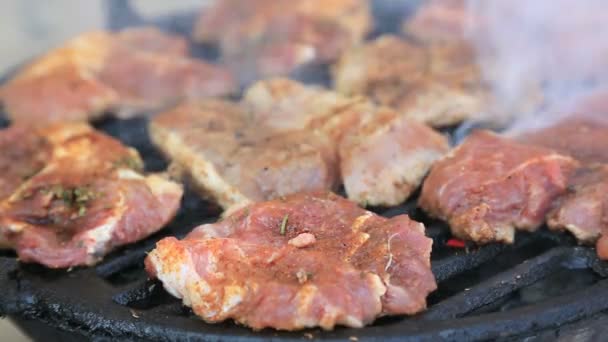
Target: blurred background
[30,27]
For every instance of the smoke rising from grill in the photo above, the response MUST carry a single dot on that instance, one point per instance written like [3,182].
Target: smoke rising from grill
[547,54]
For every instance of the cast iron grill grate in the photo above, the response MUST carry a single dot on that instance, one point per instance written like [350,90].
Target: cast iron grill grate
[543,286]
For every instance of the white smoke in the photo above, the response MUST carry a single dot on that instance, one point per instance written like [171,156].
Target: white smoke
[554,50]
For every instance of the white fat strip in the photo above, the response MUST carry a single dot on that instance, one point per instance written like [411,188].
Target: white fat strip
[390,254]
[97,240]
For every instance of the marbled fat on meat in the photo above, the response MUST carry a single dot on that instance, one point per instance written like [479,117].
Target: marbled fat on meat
[358,266]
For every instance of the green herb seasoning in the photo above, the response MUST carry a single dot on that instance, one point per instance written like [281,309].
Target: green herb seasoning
[77,197]
[130,162]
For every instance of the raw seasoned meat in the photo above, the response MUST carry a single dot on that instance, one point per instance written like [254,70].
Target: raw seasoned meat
[305,260]
[384,160]
[584,209]
[438,85]
[272,37]
[97,72]
[89,198]
[490,185]
[233,159]
[441,21]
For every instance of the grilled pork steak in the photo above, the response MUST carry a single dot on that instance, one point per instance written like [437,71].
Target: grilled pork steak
[384,160]
[583,135]
[23,155]
[285,105]
[272,37]
[97,72]
[490,185]
[582,132]
[234,161]
[584,209]
[439,85]
[301,261]
[88,198]
[284,138]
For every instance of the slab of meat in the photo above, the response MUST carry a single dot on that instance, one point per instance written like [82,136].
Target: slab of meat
[490,185]
[97,72]
[88,198]
[581,138]
[269,37]
[368,137]
[285,105]
[439,85]
[285,137]
[581,133]
[19,161]
[23,155]
[234,160]
[384,160]
[584,209]
[305,260]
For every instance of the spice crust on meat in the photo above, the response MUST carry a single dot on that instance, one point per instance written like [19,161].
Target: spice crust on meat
[302,261]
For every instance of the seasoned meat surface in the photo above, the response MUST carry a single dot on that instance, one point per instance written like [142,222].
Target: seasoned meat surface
[97,72]
[580,131]
[582,138]
[441,21]
[584,209]
[436,84]
[384,160]
[269,37]
[305,260]
[490,185]
[284,105]
[24,154]
[235,160]
[89,198]
[285,137]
